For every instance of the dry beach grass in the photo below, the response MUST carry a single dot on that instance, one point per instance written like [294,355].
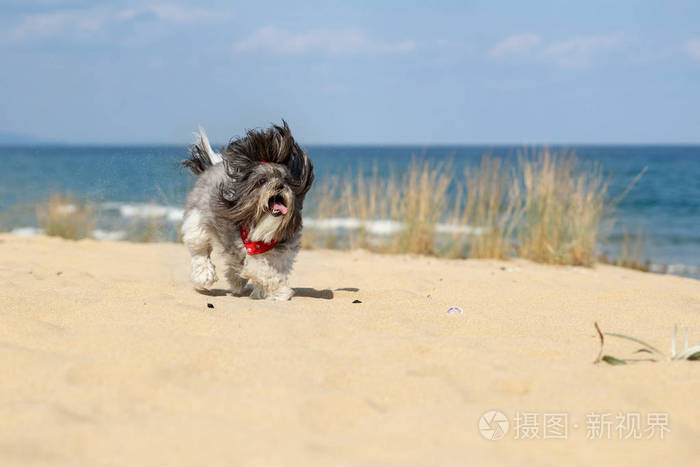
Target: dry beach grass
[546,207]
[65,216]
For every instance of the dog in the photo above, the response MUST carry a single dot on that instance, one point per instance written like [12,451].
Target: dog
[248,200]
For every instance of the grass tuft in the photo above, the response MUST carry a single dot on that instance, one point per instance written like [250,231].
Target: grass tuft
[563,205]
[66,217]
[418,204]
[492,206]
[150,230]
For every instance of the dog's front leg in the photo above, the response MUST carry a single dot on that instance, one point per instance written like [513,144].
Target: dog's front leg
[198,242]
[268,276]
[234,266]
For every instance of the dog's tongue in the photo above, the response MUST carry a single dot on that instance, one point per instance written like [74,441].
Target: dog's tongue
[279,207]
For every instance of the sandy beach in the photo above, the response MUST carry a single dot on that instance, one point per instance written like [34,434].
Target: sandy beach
[109,357]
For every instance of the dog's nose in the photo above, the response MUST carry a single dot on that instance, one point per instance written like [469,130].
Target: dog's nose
[279,187]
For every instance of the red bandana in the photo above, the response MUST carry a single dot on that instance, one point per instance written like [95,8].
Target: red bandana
[255,248]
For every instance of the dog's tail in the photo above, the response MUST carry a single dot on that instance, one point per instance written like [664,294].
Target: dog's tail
[202,156]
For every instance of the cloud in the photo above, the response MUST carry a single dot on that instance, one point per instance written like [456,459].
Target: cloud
[49,24]
[274,40]
[579,51]
[171,13]
[90,21]
[574,52]
[692,48]
[521,44]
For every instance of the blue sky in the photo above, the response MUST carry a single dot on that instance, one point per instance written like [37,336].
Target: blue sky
[352,72]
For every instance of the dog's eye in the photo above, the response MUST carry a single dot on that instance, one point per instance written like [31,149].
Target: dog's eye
[260,182]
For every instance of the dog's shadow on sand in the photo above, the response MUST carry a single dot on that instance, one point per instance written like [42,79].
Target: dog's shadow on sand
[325,294]
[214,292]
[310,292]
[307,292]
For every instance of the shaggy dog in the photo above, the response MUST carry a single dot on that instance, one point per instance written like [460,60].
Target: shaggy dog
[247,199]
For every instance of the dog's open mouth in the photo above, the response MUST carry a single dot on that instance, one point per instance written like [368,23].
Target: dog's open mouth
[277,206]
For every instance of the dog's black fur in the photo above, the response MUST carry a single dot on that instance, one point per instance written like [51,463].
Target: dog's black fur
[262,166]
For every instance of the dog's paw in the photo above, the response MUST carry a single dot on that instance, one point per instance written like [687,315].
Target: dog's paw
[282,294]
[259,293]
[237,285]
[256,292]
[203,273]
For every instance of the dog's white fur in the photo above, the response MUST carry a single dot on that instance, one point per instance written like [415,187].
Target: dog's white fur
[199,244]
[265,230]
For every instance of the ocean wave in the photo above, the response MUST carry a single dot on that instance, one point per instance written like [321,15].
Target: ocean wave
[676,269]
[97,234]
[459,229]
[333,223]
[378,227]
[145,210]
[113,235]
[26,231]
[382,226]
[66,209]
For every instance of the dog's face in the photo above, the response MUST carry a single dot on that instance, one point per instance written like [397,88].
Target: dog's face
[268,178]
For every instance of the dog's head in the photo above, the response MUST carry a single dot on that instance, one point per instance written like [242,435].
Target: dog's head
[268,178]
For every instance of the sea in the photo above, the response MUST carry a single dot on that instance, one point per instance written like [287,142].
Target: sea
[132,183]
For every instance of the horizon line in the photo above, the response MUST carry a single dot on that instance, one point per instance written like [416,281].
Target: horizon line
[363,144]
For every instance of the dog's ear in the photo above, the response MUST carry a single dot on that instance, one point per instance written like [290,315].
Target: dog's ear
[238,168]
[302,170]
[237,160]
[228,192]
[238,164]
[234,170]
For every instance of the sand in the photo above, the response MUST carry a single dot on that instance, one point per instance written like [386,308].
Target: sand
[108,357]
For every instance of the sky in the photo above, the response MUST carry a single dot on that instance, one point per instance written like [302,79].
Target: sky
[355,72]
